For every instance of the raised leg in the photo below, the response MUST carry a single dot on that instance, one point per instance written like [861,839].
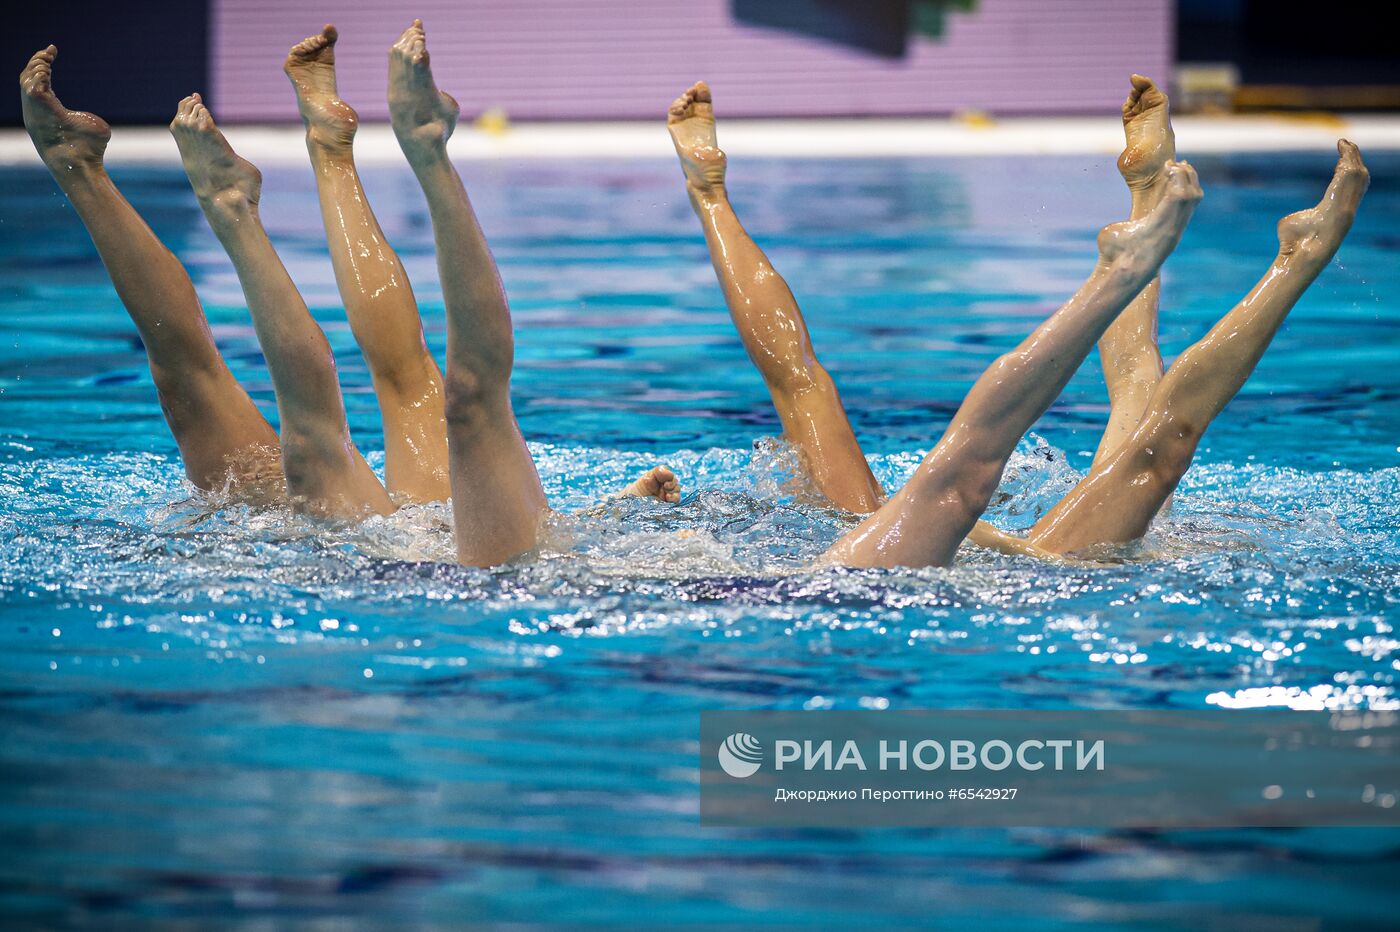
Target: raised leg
[1132,362]
[373,285]
[497,500]
[923,523]
[325,473]
[1128,350]
[1118,499]
[768,318]
[223,439]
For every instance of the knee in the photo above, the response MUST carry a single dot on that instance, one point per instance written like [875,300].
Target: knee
[1169,450]
[304,459]
[405,375]
[1134,373]
[470,396]
[1008,366]
[193,375]
[169,382]
[976,485]
[192,396]
[793,378]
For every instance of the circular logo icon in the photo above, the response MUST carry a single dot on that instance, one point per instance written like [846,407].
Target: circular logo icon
[740,755]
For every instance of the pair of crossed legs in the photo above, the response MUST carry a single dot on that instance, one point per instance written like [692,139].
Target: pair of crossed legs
[1156,421]
[459,433]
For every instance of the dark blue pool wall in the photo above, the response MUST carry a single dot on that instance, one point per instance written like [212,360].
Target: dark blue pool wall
[128,61]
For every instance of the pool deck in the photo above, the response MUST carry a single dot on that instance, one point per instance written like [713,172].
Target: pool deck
[790,138]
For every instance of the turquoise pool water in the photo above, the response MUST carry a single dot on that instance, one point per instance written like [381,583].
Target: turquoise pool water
[220,714]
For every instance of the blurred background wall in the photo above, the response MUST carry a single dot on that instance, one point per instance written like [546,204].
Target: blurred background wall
[610,59]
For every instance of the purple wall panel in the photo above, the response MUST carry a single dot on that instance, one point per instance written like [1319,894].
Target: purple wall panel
[623,59]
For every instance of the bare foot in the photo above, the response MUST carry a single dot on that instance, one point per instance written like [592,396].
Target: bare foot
[219,177]
[1151,239]
[659,483]
[1318,231]
[330,121]
[423,117]
[691,121]
[1148,128]
[64,137]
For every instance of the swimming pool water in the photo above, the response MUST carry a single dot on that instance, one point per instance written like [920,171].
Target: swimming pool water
[215,713]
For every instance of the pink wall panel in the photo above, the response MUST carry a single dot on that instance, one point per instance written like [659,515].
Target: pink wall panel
[621,59]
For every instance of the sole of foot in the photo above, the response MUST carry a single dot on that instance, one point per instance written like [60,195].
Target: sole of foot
[691,122]
[310,65]
[1151,144]
[64,138]
[220,178]
[422,116]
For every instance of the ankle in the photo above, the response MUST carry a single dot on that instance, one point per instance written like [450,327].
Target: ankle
[422,152]
[66,167]
[706,195]
[226,205]
[326,148]
[1121,268]
[330,145]
[1146,195]
[1309,250]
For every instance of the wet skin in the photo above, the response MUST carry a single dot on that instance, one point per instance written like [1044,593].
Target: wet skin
[1121,495]
[224,442]
[325,473]
[373,285]
[1154,424]
[1154,428]
[1132,362]
[927,519]
[497,500]
[923,523]
[768,319]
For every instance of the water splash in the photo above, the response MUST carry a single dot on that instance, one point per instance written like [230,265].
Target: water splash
[1258,578]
